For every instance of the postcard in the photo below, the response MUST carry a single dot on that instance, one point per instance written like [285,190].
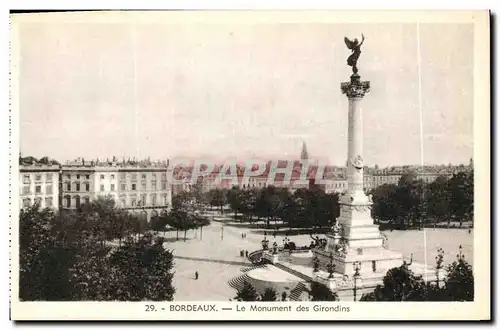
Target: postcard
[250,165]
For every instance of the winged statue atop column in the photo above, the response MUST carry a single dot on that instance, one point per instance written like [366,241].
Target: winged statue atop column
[355,47]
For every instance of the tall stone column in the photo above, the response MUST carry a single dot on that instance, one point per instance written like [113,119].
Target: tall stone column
[355,91]
[355,238]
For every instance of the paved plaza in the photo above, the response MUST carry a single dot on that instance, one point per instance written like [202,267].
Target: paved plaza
[218,260]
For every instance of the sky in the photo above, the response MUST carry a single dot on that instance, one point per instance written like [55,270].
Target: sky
[166,90]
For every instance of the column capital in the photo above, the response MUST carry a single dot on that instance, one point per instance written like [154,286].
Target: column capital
[355,89]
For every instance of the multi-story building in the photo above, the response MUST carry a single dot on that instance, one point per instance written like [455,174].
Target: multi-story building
[141,187]
[77,185]
[39,183]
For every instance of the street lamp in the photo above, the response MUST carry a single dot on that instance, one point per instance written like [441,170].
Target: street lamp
[315,264]
[286,240]
[330,267]
[460,255]
[265,242]
[356,276]
[439,265]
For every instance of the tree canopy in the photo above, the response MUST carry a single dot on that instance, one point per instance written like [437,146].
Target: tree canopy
[70,256]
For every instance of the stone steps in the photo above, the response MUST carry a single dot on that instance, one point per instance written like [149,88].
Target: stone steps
[297,291]
[255,256]
[293,272]
[247,269]
[238,281]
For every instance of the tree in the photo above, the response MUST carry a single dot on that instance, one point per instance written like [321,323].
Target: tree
[89,273]
[461,187]
[63,257]
[320,292]
[43,261]
[409,198]
[200,222]
[385,206]
[459,284]
[159,222]
[141,270]
[399,284]
[173,219]
[234,198]
[183,220]
[217,198]
[269,295]
[302,209]
[438,199]
[247,293]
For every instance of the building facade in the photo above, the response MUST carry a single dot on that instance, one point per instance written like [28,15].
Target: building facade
[39,184]
[77,185]
[140,187]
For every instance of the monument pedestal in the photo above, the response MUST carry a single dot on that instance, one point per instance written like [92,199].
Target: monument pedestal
[355,239]
[271,257]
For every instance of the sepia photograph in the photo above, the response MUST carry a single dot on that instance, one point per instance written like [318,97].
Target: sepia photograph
[250,165]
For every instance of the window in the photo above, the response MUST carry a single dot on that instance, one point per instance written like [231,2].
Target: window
[374,266]
[133,186]
[48,189]
[87,186]
[86,199]
[153,199]
[102,187]
[48,202]
[38,201]
[68,201]
[38,177]
[112,176]
[78,176]
[144,176]
[153,175]
[68,186]
[87,177]
[133,203]
[153,185]
[102,176]
[122,176]
[112,187]
[77,187]
[26,202]
[38,189]
[163,185]
[134,177]
[77,201]
[123,186]
[49,177]
[26,179]
[26,190]
[143,199]
[143,185]
[123,201]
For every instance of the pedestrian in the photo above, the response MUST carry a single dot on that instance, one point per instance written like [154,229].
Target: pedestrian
[196,275]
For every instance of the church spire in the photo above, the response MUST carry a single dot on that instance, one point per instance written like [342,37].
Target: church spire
[303,154]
